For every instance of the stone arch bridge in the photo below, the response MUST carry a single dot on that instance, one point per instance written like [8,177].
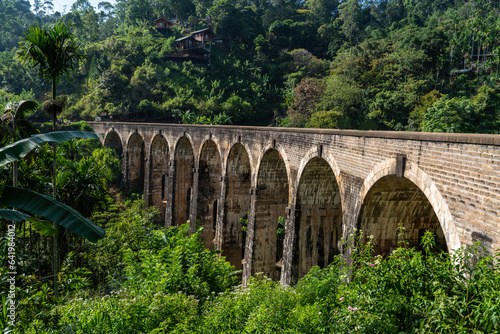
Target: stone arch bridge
[299,191]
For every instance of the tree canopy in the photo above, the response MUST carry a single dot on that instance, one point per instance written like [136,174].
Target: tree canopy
[376,62]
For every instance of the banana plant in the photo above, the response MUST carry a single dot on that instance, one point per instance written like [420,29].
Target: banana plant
[43,205]
[14,123]
[15,126]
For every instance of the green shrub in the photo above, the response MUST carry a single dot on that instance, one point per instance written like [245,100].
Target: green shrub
[124,312]
[179,262]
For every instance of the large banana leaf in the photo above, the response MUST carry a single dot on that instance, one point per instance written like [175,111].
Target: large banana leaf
[13,215]
[20,148]
[43,227]
[48,208]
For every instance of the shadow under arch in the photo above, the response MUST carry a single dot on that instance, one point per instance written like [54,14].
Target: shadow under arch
[318,218]
[135,163]
[159,158]
[237,204]
[283,157]
[272,197]
[412,201]
[112,139]
[183,180]
[209,187]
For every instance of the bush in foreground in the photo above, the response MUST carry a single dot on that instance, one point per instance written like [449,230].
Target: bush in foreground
[174,285]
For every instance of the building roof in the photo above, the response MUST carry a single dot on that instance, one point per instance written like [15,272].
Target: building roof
[197,31]
[184,38]
[162,19]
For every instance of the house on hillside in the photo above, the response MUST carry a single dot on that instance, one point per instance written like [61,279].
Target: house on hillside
[163,26]
[204,35]
[196,47]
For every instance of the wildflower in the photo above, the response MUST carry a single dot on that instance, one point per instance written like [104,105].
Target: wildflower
[341,298]
[371,264]
[349,308]
[354,309]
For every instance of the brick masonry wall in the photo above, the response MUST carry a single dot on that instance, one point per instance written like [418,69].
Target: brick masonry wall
[459,174]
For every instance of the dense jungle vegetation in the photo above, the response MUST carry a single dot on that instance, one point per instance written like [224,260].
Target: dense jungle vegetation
[402,65]
[142,278]
[145,278]
[427,65]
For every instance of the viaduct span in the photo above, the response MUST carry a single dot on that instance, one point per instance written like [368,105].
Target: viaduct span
[312,187]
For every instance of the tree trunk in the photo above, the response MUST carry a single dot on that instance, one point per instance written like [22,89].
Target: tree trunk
[55,257]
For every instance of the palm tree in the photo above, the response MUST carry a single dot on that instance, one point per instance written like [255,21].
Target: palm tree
[55,54]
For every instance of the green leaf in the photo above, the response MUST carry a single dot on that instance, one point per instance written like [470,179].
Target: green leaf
[41,226]
[22,107]
[13,215]
[22,147]
[49,208]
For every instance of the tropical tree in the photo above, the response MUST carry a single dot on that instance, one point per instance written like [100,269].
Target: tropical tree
[55,53]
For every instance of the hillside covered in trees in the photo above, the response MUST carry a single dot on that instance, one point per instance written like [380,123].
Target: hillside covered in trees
[426,65]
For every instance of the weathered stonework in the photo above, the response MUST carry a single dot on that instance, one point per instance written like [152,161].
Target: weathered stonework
[158,175]
[324,183]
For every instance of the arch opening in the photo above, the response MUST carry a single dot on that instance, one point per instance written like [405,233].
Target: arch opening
[237,205]
[208,190]
[157,176]
[271,204]
[183,180]
[135,168]
[318,218]
[113,140]
[392,201]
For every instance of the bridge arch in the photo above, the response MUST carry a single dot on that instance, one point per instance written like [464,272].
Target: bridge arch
[413,200]
[184,135]
[135,162]
[318,152]
[284,157]
[159,166]
[183,180]
[318,215]
[213,143]
[237,203]
[113,139]
[273,193]
[209,187]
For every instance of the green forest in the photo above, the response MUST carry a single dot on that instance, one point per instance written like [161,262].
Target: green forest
[81,254]
[377,64]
